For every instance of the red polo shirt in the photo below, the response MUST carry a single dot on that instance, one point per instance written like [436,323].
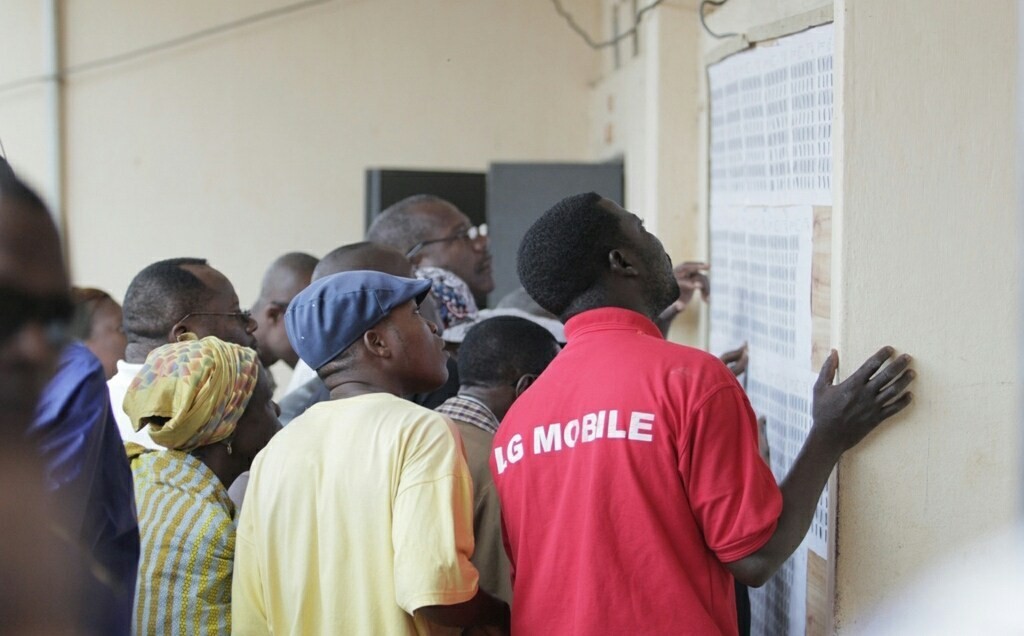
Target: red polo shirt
[628,474]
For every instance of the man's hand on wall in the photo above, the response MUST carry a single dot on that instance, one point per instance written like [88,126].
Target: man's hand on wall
[845,413]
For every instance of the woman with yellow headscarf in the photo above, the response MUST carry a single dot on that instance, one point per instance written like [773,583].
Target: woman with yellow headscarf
[209,404]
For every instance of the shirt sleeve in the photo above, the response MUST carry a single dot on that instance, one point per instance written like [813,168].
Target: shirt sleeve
[489,554]
[732,492]
[432,526]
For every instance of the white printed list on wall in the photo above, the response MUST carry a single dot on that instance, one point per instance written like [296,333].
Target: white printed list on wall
[771,123]
[761,269]
[770,163]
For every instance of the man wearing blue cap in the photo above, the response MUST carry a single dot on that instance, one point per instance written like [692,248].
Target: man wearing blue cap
[359,515]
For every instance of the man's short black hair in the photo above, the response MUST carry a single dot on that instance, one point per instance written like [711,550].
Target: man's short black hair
[402,226]
[300,263]
[285,272]
[565,251]
[500,350]
[160,295]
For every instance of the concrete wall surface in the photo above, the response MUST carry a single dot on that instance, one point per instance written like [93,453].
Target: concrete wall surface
[252,142]
[925,260]
[644,111]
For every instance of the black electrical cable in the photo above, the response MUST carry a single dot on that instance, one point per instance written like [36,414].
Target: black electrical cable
[612,42]
[703,23]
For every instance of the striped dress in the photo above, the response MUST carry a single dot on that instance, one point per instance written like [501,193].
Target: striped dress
[187,528]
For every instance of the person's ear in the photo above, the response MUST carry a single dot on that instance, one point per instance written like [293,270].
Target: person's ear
[524,383]
[376,344]
[177,330]
[621,262]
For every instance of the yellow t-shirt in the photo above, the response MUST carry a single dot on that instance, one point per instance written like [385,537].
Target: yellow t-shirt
[358,513]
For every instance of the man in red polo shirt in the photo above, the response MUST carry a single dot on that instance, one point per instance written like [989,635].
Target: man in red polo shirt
[631,488]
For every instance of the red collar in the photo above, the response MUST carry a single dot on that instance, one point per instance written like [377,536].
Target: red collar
[610,318]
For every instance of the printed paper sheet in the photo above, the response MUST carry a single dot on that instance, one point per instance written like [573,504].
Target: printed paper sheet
[770,162]
[771,123]
[761,281]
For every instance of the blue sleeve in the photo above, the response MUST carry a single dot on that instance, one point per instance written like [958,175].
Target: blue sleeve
[87,470]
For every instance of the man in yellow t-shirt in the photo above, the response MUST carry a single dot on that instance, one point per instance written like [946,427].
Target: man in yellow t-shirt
[359,515]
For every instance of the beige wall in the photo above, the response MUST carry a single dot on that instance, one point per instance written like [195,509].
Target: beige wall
[646,113]
[250,143]
[925,259]
[25,119]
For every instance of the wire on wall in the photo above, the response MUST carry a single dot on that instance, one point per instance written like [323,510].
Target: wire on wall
[703,23]
[163,46]
[606,43]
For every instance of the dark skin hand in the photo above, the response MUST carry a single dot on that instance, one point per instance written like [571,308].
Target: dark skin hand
[762,440]
[843,415]
[691,276]
[736,360]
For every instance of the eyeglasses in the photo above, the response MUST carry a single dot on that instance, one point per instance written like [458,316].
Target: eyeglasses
[18,309]
[466,234]
[244,315]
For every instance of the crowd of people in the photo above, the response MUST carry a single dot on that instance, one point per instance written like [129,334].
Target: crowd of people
[551,465]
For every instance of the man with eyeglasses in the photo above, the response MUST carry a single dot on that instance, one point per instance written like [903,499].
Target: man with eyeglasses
[286,277]
[432,232]
[165,300]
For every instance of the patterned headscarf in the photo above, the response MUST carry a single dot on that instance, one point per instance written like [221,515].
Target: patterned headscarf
[455,302]
[202,386]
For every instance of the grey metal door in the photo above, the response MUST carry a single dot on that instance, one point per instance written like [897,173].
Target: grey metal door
[518,193]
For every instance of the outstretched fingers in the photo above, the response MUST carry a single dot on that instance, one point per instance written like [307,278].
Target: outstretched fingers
[890,372]
[892,391]
[872,365]
[872,394]
[892,409]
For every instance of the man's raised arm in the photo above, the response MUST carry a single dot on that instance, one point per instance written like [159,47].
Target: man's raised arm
[843,415]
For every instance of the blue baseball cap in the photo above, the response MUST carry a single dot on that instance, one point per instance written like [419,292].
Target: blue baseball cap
[325,318]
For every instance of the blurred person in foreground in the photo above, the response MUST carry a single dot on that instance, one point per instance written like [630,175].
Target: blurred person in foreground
[88,473]
[209,404]
[39,570]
